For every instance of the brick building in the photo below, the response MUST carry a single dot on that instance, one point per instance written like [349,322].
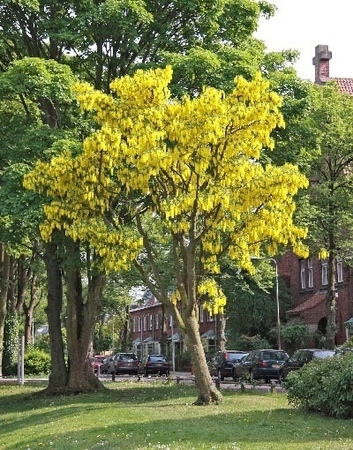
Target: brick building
[148,321]
[307,279]
[307,282]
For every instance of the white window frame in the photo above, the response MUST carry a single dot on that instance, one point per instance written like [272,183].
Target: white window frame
[156,321]
[310,273]
[201,314]
[303,274]
[324,273]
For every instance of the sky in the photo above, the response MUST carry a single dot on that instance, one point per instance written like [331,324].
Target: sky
[303,24]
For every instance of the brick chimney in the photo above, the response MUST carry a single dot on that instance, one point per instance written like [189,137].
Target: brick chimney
[321,62]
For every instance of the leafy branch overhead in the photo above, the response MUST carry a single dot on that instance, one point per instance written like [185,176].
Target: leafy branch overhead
[192,164]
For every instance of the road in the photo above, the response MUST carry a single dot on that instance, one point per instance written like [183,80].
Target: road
[178,377]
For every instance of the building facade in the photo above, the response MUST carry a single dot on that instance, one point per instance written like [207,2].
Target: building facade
[307,282]
[307,279]
[149,321]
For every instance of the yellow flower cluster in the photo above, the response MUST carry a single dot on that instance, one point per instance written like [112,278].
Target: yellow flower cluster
[196,162]
[214,299]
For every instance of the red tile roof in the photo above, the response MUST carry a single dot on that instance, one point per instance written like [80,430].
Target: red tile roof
[314,301]
[345,85]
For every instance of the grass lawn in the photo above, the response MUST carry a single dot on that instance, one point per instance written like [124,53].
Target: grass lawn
[139,416]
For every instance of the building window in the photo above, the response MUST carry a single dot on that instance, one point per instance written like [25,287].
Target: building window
[324,273]
[151,322]
[339,272]
[144,323]
[139,323]
[302,274]
[156,320]
[201,314]
[310,273]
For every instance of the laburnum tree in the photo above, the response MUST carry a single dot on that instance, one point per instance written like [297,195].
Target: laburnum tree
[189,166]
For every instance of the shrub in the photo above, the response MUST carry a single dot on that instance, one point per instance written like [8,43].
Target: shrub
[249,343]
[36,362]
[323,385]
[296,335]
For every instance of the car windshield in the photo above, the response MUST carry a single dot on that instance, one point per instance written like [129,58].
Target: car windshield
[323,353]
[157,358]
[274,356]
[128,356]
[235,356]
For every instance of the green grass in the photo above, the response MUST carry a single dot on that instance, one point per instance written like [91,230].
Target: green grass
[139,416]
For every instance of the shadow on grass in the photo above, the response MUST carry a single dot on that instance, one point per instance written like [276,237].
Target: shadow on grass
[135,416]
[262,429]
[18,398]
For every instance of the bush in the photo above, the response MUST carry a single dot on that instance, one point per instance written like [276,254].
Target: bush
[323,385]
[248,343]
[36,362]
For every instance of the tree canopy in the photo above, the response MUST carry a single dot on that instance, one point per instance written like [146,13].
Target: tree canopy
[190,165]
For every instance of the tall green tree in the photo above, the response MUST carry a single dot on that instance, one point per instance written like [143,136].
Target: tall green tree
[192,167]
[100,41]
[327,206]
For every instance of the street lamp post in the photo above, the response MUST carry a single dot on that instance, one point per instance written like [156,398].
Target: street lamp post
[173,343]
[277,299]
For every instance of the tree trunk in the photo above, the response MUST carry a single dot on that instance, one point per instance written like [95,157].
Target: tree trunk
[221,332]
[4,280]
[331,327]
[81,320]
[164,332]
[59,374]
[126,335]
[208,391]
[29,310]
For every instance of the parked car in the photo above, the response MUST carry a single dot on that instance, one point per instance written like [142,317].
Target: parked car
[96,362]
[303,356]
[126,363]
[222,363]
[339,351]
[155,364]
[107,365]
[264,364]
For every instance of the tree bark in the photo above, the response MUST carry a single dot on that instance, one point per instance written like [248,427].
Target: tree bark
[29,310]
[331,327]
[59,374]
[208,392]
[125,334]
[4,280]
[221,332]
[81,320]
[164,332]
